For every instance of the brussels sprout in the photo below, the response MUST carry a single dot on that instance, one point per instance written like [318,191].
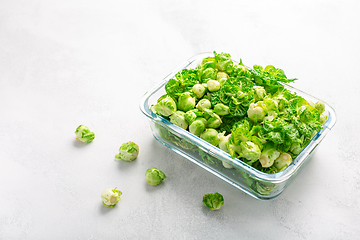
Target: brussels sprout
[208,113]
[209,61]
[208,73]
[227,165]
[211,136]
[199,90]
[295,148]
[271,115]
[323,119]
[250,151]
[213,85]
[178,118]
[241,70]
[197,127]
[222,75]
[320,106]
[186,102]
[83,134]
[283,161]
[110,197]
[205,86]
[154,176]
[192,115]
[234,150]
[221,109]
[256,112]
[224,141]
[128,151]
[264,188]
[270,104]
[260,93]
[223,62]
[203,104]
[213,201]
[203,120]
[165,107]
[268,155]
[214,121]
[223,145]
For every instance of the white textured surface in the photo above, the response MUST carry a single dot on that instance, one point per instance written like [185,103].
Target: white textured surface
[65,63]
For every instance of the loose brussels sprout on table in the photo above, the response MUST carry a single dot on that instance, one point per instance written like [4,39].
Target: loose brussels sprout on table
[213,201]
[154,176]
[83,134]
[110,197]
[128,151]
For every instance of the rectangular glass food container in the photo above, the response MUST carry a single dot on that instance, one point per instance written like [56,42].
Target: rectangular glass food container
[260,185]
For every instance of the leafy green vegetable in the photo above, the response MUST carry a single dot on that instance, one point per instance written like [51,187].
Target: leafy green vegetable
[83,134]
[154,176]
[165,106]
[246,112]
[110,197]
[128,151]
[213,201]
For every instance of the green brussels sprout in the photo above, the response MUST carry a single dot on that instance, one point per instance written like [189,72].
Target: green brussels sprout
[128,151]
[323,119]
[268,155]
[270,104]
[110,197]
[283,161]
[295,148]
[199,90]
[208,73]
[213,201]
[320,106]
[223,145]
[178,118]
[154,176]
[205,86]
[256,112]
[223,62]
[186,102]
[222,75]
[83,134]
[165,106]
[264,188]
[208,113]
[221,109]
[192,115]
[214,121]
[234,150]
[203,104]
[282,102]
[211,136]
[250,151]
[213,85]
[271,115]
[224,141]
[203,120]
[241,70]
[260,93]
[209,61]
[197,127]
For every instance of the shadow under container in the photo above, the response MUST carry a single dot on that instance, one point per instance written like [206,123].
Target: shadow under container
[260,185]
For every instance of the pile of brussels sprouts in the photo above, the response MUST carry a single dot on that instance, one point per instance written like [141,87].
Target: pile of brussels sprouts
[246,112]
